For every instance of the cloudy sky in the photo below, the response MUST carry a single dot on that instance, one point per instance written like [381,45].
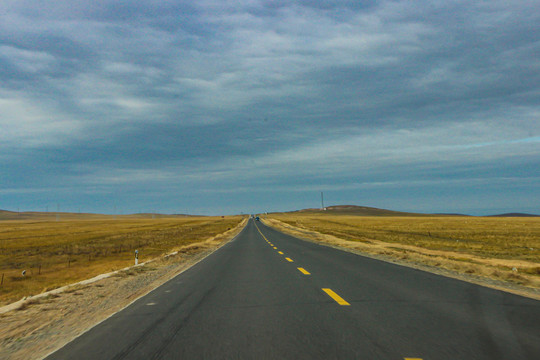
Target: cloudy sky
[222,106]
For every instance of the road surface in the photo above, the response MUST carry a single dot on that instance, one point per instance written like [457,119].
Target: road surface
[266,295]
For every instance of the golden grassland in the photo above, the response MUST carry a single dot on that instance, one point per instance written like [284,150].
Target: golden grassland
[56,253]
[505,248]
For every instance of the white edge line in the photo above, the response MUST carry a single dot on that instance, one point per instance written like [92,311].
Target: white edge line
[143,295]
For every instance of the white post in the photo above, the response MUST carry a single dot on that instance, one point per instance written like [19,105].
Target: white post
[136,257]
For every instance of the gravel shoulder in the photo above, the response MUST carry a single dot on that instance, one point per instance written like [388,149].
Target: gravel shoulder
[41,325]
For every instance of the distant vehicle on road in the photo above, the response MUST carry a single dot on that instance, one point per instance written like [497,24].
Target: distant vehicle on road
[256,218]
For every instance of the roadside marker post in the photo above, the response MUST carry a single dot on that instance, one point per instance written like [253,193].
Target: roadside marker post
[136,257]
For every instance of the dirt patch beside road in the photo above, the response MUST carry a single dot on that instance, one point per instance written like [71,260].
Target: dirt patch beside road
[39,326]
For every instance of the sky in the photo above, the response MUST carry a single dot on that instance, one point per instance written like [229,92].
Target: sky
[226,107]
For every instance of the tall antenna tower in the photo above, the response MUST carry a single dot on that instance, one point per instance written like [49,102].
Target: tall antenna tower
[322,200]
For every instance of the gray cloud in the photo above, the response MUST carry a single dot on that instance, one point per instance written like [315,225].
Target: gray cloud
[215,96]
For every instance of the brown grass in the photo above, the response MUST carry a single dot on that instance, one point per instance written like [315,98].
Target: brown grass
[497,248]
[56,253]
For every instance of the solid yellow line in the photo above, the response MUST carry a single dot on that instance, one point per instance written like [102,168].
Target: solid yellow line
[412,359]
[304,271]
[280,252]
[264,237]
[336,297]
[289,259]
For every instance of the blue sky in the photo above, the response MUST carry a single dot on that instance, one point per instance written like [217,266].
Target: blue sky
[223,107]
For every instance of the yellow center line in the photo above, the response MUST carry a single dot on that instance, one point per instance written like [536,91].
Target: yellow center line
[336,297]
[275,248]
[289,259]
[304,271]
[412,359]
[264,237]
[280,252]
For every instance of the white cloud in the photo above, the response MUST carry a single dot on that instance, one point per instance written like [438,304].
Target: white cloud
[27,60]
[26,123]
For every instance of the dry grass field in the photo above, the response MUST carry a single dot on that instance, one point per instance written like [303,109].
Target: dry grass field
[56,253]
[500,248]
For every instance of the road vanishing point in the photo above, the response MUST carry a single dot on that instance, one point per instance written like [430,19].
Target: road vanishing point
[267,295]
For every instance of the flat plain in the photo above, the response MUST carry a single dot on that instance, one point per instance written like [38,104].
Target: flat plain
[505,249]
[79,246]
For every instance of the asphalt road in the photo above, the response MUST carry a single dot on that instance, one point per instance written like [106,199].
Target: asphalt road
[250,300]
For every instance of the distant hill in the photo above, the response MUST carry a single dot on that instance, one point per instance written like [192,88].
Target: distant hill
[358,210]
[451,214]
[39,216]
[515,215]
[44,216]
[371,211]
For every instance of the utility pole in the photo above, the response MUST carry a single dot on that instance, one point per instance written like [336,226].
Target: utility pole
[322,200]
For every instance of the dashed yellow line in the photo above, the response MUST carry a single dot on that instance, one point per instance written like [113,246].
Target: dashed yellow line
[330,293]
[412,359]
[336,297]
